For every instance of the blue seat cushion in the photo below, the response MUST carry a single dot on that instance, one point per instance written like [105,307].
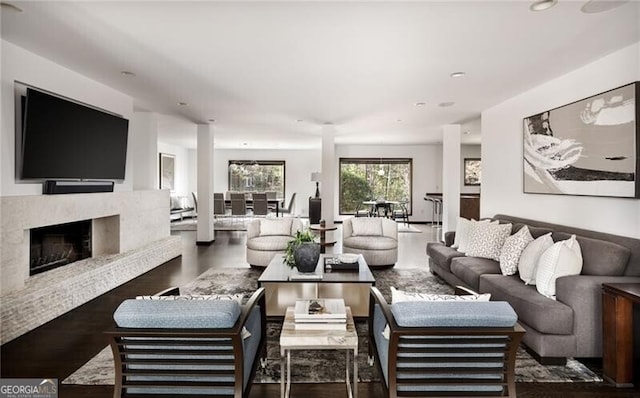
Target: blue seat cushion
[454,314]
[189,314]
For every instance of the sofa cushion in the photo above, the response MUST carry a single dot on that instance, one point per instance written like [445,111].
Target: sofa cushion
[539,312]
[196,314]
[562,259]
[464,231]
[511,250]
[366,226]
[442,254]
[469,269]
[529,258]
[603,258]
[367,243]
[275,227]
[454,314]
[268,243]
[486,240]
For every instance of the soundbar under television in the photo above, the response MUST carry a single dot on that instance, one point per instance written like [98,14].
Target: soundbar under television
[62,139]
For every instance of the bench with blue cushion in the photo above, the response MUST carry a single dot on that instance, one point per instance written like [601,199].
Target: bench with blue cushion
[187,348]
[452,348]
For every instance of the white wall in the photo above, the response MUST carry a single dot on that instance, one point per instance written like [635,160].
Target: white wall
[502,151]
[183,183]
[427,170]
[28,68]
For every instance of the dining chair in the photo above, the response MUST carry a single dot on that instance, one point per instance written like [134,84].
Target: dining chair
[238,206]
[260,207]
[218,205]
[400,212]
[289,208]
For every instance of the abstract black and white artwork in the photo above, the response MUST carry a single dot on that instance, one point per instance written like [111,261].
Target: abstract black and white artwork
[588,147]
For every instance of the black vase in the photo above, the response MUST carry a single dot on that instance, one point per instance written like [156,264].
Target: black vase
[306,256]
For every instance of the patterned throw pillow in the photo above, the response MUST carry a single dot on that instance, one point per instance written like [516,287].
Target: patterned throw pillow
[462,233]
[398,296]
[486,240]
[529,258]
[512,249]
[562,259]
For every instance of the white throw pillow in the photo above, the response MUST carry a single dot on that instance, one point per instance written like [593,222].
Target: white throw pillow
[366,226]
[486,240]
[562,259]
[275,227]
[530,256]
[512,249]
[398,296]
[462,230]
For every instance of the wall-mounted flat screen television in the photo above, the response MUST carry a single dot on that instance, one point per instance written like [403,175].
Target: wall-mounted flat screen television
[62,139]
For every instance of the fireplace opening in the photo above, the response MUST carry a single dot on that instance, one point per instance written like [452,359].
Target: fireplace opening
[57,245]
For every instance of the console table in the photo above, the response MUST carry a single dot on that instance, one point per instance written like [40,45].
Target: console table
[617,332]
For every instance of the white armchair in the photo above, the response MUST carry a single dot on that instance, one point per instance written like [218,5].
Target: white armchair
[268,237]
[376,238]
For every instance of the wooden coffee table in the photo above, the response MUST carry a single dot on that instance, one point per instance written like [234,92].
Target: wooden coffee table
[282,291]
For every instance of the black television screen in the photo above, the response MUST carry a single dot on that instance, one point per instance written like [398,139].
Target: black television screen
[66,140]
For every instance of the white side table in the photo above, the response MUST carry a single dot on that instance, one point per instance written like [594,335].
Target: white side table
[292,339]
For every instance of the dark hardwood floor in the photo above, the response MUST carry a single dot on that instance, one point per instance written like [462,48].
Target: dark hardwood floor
[58,348]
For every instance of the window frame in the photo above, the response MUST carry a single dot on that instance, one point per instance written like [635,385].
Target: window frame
[259,163]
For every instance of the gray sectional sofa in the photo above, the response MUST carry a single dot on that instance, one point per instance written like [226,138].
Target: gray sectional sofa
[571,325]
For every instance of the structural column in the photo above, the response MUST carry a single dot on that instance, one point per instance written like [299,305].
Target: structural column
[144,143]
[205,234]
[450,176]
[328,177]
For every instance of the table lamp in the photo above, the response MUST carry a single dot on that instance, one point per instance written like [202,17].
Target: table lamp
[315,176]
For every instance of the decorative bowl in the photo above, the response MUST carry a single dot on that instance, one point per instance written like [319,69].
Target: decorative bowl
[348,258]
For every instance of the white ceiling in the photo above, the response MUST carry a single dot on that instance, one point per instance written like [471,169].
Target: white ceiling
[272,73]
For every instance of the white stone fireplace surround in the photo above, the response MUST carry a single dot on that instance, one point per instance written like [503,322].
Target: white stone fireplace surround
[130,236]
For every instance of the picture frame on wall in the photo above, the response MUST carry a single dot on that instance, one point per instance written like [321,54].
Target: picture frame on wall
[167,171]
[472,171]
[588,147]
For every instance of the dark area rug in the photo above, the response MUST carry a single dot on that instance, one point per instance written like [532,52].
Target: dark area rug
[329,366]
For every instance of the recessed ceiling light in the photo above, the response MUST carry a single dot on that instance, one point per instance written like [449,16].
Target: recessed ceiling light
[542,5]
[299,120]
[420,104]
[458,74]
[446,104]
[596,6]
[127,73]
[467,132]
[212,120]
[399,120]
[245,144]
[182,103]
[10,7]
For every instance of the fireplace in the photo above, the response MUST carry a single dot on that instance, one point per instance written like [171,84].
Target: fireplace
[57,245]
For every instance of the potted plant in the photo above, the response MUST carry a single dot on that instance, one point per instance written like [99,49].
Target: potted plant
[302,252]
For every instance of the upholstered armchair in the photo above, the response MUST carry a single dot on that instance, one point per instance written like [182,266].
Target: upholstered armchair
[376,238]
[187,348]
[267,237]
[438,348]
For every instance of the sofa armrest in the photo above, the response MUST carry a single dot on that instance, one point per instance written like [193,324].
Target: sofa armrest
[253,229]
[389,228]
[449,237]
[583,293]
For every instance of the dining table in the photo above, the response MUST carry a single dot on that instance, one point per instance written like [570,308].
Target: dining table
[387,205]
[249,203]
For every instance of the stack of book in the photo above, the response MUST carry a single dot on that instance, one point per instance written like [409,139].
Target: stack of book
[320,314]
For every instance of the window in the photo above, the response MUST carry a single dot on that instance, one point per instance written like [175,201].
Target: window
[371,179]
[472,171]
[257,176]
